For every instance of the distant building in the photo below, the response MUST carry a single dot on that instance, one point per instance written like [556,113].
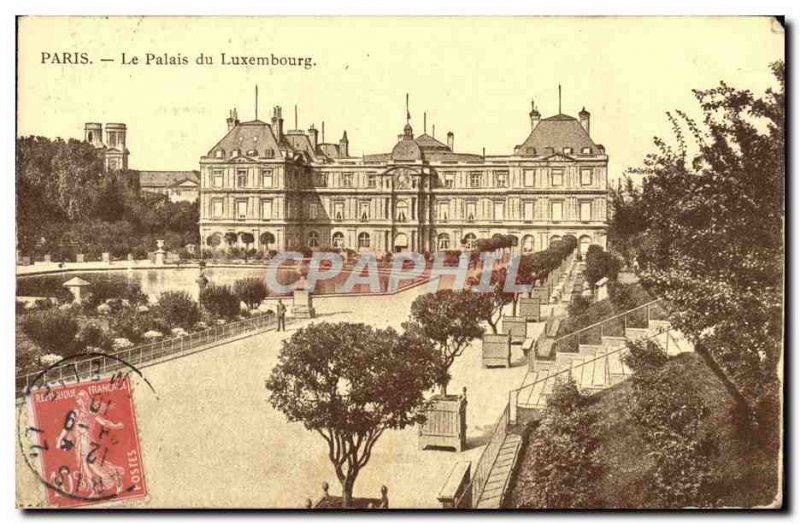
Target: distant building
[286,190]
[179,186]
[115,152]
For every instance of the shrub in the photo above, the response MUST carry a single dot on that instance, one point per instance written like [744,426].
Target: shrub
[670,413]
[600,264]
[644,356]
[561,466]
[220,301]
[177,309]
[579,305]
[53,330]
[131,324]
[93,336]
[251,291]
[104,289]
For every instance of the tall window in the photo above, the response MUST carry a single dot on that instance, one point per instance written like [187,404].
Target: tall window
[443,241]
[471,211]
[402,211]
[557,177]
[218,178]
[313,239]
[363,240]
[586,176]
[470,241]
[241,178]
[501,179]
[372,181]
[363,211]
[475,179]
[337,240]
[449,180]
[527,210]
[266,209]
[586,211]
[557,210]
[266,178]
[499,210]
[241,209]
[216,208]
[347,179]
[313,210]
[444,208]
[529,175]
[338,210]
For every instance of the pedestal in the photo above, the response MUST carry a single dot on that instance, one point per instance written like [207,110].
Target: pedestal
[302,304]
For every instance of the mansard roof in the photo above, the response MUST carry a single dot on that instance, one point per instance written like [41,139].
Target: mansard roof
[248,136]
[554,134]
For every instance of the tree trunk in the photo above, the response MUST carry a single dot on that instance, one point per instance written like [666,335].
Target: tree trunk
[742,404]
[347,489]
[514,305]
[492,324]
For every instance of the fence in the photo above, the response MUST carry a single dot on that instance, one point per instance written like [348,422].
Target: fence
[646,310]
[483,468]
[638,317]
[96,365]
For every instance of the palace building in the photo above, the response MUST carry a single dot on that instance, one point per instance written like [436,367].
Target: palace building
[267,188]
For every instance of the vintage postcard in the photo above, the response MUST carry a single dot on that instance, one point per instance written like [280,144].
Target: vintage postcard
[382,263]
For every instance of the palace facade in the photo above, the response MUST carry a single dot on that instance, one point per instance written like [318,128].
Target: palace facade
[268,188]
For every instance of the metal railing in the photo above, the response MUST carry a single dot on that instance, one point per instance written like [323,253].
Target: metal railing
[643,310]
[483,468]
[95,365]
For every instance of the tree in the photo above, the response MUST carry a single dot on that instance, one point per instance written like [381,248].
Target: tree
[561,467]
[220,301]
[350,383]
[53,330]
[495,299]
[451,319]
[600,264]
[627,220]
[251,291]
[178,309]
[714,230]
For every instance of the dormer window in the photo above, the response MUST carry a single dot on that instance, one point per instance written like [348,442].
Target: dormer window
[219,153]
[586,151]
[530,151]
[252,152]
[269,153]
[235,153]
[567,150]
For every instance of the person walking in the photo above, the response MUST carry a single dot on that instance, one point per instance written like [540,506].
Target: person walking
[281,311]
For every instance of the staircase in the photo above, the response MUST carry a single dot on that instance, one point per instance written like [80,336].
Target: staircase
[594,366]
[500,473]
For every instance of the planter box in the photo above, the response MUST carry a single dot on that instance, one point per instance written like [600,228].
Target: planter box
[496,350]
[446,423]
[516,327]
[542,294]
[530,309]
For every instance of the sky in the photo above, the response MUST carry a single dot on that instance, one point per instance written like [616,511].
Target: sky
[475,77]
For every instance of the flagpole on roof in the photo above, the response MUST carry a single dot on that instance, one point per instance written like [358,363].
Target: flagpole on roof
[408,113]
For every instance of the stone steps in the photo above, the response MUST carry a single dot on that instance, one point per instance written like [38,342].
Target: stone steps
[500,474]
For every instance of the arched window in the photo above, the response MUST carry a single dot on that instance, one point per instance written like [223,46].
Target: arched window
[470,241]
[527,244]
[313,239]
[401,241]
[363,240]
[554,239]
[443,242]
[337,240]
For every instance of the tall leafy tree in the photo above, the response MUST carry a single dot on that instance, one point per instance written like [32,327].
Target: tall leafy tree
[713,203]
[451,319]
[350,383]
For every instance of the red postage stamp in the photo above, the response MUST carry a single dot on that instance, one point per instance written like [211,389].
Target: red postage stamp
[87,442]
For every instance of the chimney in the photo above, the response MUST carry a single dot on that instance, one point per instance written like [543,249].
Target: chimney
[450,139]
[583,116]
[312,137]
[344,146]
[230,120]
[535,115]
[277,123]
